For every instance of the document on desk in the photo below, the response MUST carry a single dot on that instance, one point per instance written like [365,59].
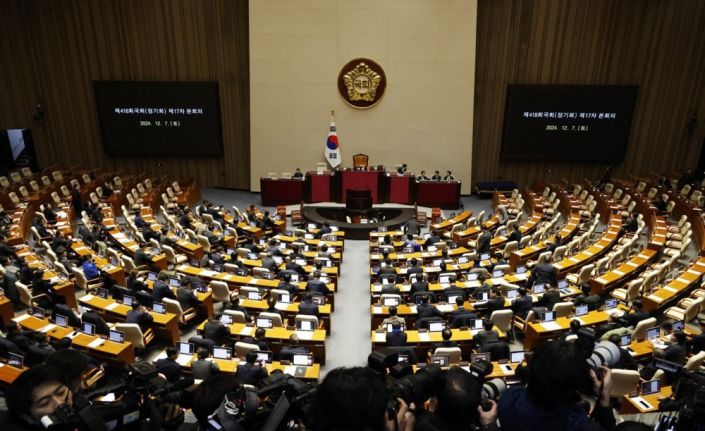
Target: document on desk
[111,307]
[305,335]
[183,360]
[48,328]
[22,317]
[207,273]
[444,308]
[247,330]
[380,337]
[377,310]
[86,298]
[290,370]
[551,326]
[95,343]
[424,336]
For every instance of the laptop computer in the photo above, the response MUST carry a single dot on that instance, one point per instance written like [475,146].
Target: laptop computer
[264,356]
[116,336]
[158,307]
[60,320]
[440,360]
[304,325]
[88,328]
[302,360]
[436,326]
[581,310]
[222,352]
[263,322]
[517,357]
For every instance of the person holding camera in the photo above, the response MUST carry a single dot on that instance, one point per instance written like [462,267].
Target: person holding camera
[558,372]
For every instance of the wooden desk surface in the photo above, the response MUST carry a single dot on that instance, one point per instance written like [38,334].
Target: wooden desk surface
[677,287]
[415,337]
[123,352]
[537,330]
[6,310]
[609,237]
[8,373]
[632,406]
[624,272]
[280,333]
[527,253]
[448,223]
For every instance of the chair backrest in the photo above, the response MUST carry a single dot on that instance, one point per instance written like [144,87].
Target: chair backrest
[25,294]
[360,160]
[623,382]
[81,281]
[169,253]
[639,333]
[585,273]
[86,178]
[173,306]
[23,191]
[390,295]
[503,319]
[238,316]
[306,318]
[510,247]
[4,182]
[242,349]
[544,257]
[275,317]
[133,334]
[563,309]
[691,312]
[220,289]
[559,252]
[633,289]
[34,185]
[203,242]
[453,353]
[55,197]
[695,361]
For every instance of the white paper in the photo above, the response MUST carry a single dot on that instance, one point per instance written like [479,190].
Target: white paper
[380,337]
[247,330]
[444,308]
[551,326]
[377,310]
[22,317]
[86,298]
[183,360]
[290,369]
[305,335]
[281,306]
[47,328]
[112,306]
[95,343]
[423,336]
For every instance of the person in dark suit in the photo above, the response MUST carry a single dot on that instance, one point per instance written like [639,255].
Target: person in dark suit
[594,302]
[638,314]
[202,368]
[515,235]
[161,290]
[307,307]
[76,201]
[298,175]
[697,344]
[397,337]
[390,288]
[18,336]
[94,318]
[291,265]
[436,176]
[449,176]
[446,334]
[483,241]
[287,352]
[550,298]
[38,352]
[259,339]
[387,268]
[555,244]
[64,310]
[134,283]
[324,230]
[168,366]
[139,221]
[432,239]
[217,332]
[251,373]
[422,177]
[631,225]
[419,286]
[315,285]
[141,257]
[453,290]
[285,283]
[49,213]
[412,226]
[269,263]
[543,273]
[523,304]
[59,243]
[139,316]
[425,309]
[496,301]
[486,337]
[414,268]
[235,305]
[460,309]
[187,299]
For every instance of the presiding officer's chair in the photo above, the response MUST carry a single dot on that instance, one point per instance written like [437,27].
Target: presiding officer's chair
[360,162]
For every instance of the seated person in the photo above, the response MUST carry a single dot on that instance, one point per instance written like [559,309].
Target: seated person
[446,334]
[425,309]
[594,302]
[317,286]
[90,270]
[625,361]
[307,307]
[168,366]
[202,368]
[36,393]
[397,337]
[393,318]
[250,372]
[92,317]
[522,304]
[259,339]
[635,315]
[486,337]
[460,309]
[139,316]
[550,298]
[235,305]
[551,400]
[298,175]
[287,352]
[161,289]
[186,297]
[217,332]
[62,309]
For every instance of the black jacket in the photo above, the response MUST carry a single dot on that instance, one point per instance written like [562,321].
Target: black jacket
[215,331]
[161,291]
[522,305]
[251,374]
[544,273]
[427,310]
[170,368]
[142,318]
[309,309]
[92,317]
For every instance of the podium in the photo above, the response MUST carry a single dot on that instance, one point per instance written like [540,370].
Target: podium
[400,189]
[320,187]
[281,191]
[441,194]
[358,200]
[360,180]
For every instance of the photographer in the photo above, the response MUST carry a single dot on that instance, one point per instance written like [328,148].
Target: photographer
[557,373]
[456,406]
[354,399]
[37,392]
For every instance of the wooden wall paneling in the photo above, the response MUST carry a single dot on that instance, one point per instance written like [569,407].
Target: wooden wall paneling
[55,50]
[659,46]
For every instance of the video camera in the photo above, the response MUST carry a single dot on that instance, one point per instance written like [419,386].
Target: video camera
[686,407]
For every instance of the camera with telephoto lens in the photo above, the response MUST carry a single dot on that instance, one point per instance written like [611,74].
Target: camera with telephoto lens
[686,408]
[281,403]
[491,389]
[140,398]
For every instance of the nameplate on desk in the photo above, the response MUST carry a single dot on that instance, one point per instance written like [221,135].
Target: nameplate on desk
[655,298]
[48,328]
[281,306]
[95,343]
[588,253]
[111,307]
[642,403]
[498,280]
[86,298]
[305,335]
[247,330]
[551,326]
[683,280]
[424,336]
[22,317]
[695,273]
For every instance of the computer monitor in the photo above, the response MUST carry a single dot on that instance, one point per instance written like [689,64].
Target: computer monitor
[440,360]
[304,325]
[222,352]
[610,304]
[217,267]
[158,307]
[186,348]
[60,320]
[15,360]
[116,336]
[264,356]
[174,282]
[268,276]
[581,310]
[485,256]
[229,251]
[285,298]
[300,261]
[472,276]
[678,325]
[200,287]
[302,360]
[151,276]
[114,261]
[517,357]
[311,226]
[101,292]
[38,312]
[463,259]
[294,278]
[482,296]
[511,294]
[226,319]
[390,327]
[318,299]
[625,340]
[392,301]
[478,324]
[549,316]
[431,248]
[128,300]
[264,322]
[652,333]
[88,328]
[444,279]
[402,358]
[453,298]
[436,326]
[651,387]
[539,288]
[497,273]
[437,262]
[480,356]
[520,269]
[562,284]
[277,259]
[254,295]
